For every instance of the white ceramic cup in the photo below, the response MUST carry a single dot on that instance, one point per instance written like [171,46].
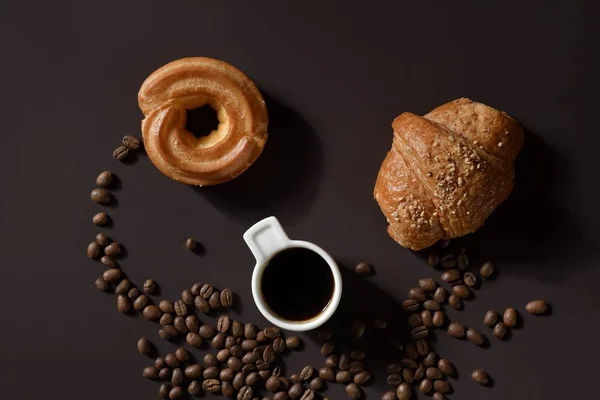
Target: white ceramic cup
[265,239]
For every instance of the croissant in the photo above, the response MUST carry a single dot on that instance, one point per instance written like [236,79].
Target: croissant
[446,171]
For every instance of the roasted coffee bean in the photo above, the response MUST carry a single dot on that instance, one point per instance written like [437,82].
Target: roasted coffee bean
[182,354]
[462,261]
[431,305]
[177,377]
[362,377]
[475,337]
[226,298]
[101,196]
[215,300]
[394,368]
[441,386]
[445,366]
[193,371]
[439,396]
[448,261]
[292,342]
[461,291]
[327,348]
[193,339]
[123,287]
[249,344]
[487,269]
[356,367]
[363,268]
[260,337]
[500,330]
[422,347]
[211,373]
[206,291]
[490,318]
[510,317]
[120,153]
[419,373]
[280,396]
[408,375]
[211,386]
[235,364]
[123,303]
[316,384]
[265,374]
[426,386]
[428,284]
[438,319]
[133,293]
[190,244]
[101,284]
[343,377]
[179,323]
[433,260]
[164,390]
[201,305]
[309,394]
[451,275]
[380,323]
[273,384]
[419,332]
[227,389]
[286,384]
[262,365]
[389,395]
[417,294]
[327,374]
[100,219]
[353,391]
[469,279]
[187,297]
[94,250]
[456,330]
[150,287]
[195,289]
[194,388]
[430,359]
[272,332]
[166,306]
[131,142]
[144,346]
[357,354]
[102,239]
[150,373]
[104,179]
[409,363]
[239,380]
[226,374]
[410,350]
[536,307]
[410,305]
[279,345]
[455,302]
[141,302]
[245,393]
[237,329]
[237,351]
[164,374]
[433,373]
[427,318]
[403,391]
[171,360]
[108,262]
[296,391]
[250,330]
[295,378]
[394,379]
[180,308]
[223,323]
[210,360]
[358,329]
[113,250]
[440,294]
[176,393]
[332,361]
[249,358]
[168,332]
[344,362]
[415,320]
[269,354]
[252,378]
[192,323]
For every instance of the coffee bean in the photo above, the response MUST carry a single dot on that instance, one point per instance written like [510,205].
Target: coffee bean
[451,275]
[113,250]
[438,319]
[403,391]
[193,371]
[380,323]
[206,291]
[120,153]
[249,358]
[223,323]
[316,384]
[165,319]
[211,385]
[415,320]
[441,386]
[389,395]
[108,262]
[262,365]
[356,367]
[440,294]
[273,384]
[227,389]
[462,261]
[235,364]
[475,337]
[176,393]
[179,323]
[164,390]
[536,307]
[144,346]
[445,366]
[210,372]
[510,317]
[94,250]
[150,287]
[182,354]
[280,396]
[332,361]
[100,219]
[164,305]
[131,142]
[419,332]
[295,378]
[428,284]
[427,318]
[210,360]
[327,348]
[358,329]
[245,393]
[461,291]
[101,284]
[296,391]
[279,345]
[490,318]
[410,305]
[215,300]
[362,377]
[123,303]
[422,347]
[150,373]
[455,302]
[327,374]
[344,361]
[343,376]
[193,339]
[226,374]
[172,360]
[272,332]
[353,391]
[470,279]
[164,374]
[240,379]
[249,344]
[237,351]
[192,323]
[286,384]
[187,297]
[269,354]
[168,332]
[201,305]
[430,359]
[426,386]
[419,373]
[487,269]
[190,244]
[448,261]
[433,373]
[438,396]
[480,376]
[500,330]
[409,363]
[363,268]
[251,380]
[394,379]
[417,294]
[194,388]
[456,330]
[431,305]
[177,377]
[123,287]
[408,375]
[292,342]
[101,196]
[394,368]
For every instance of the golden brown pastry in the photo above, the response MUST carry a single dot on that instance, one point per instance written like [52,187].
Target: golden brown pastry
[447,171]
[190,83]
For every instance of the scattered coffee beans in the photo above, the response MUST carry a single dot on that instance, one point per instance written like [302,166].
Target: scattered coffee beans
[480,376]
[144,346]
[438,319]
[180,308]
[363,268]
[152,313]
[356,367]
[177,377]
[113,250]
[417,294]
[327,374]
[469,279]
[487,269]
[510,317]
[123,287]
[201,305]
[193,371]
[108,262]
[500,330]
[455,302]
[353,391]
[431,359]
[100,219]
[428,284]
[445,366]
[296,391]
[431,305]
[226,298]
[316,384]
[194,388]
[461,291]
[490,318]
[536,307]
[150,373]
[427,318]
[362,378]
[150,287]
[451,275]
[104,179]
[456,330]
[131,142]
[206,291]
[215,300]
[462,261]
[102,285]
[164,390]
[433,260]
[403,391]
[176,393]
[419,332]
[410,305]
[121,153]
[327,348]
[292,342]
[190,244]
[100,196]
[441,386]
[94,250]
[164,373]
[212,386]
[475,337]
[426,386]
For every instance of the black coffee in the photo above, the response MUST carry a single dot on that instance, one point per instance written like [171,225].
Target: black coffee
[297,284]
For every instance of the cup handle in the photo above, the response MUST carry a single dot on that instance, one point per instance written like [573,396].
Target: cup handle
[265,238]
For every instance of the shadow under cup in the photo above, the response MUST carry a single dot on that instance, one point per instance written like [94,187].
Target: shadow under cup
[297,285]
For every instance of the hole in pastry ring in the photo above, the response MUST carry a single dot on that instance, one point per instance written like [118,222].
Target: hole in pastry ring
[190,83]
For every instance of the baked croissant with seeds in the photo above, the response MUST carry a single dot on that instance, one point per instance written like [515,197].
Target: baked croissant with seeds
[446,171]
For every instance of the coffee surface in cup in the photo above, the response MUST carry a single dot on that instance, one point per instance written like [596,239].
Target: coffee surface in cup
[297,284]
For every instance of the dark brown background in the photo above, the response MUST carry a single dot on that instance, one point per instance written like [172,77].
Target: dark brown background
[335,75]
